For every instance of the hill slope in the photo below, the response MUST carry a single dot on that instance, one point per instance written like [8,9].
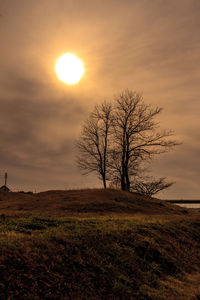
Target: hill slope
[97,244]
[84,202]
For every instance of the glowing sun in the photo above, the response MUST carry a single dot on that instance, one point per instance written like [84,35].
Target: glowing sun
[69,68]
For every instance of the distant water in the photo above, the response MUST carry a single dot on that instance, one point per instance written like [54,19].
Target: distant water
[188,205]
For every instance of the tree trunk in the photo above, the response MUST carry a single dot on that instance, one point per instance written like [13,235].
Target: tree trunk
[127,182]
[104,181]
[123,184]
[126,172]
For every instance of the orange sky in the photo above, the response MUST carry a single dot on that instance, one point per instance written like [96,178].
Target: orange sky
[149,46]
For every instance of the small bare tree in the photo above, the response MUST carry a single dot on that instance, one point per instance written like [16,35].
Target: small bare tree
[93,143]
[150,188]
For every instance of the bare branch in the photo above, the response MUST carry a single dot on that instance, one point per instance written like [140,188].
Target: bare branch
[93,142]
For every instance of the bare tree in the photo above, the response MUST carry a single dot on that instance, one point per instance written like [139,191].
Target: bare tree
[135,134]
[117,140]
[93,143]
[150,188]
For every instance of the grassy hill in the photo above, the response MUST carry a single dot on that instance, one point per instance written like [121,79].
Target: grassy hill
[84,203]
[97,244]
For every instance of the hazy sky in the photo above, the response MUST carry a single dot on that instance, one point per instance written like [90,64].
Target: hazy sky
[151,46]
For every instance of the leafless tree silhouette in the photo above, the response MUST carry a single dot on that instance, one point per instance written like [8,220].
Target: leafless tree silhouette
[93,143]
[150,188]
[117,139]
[135,135]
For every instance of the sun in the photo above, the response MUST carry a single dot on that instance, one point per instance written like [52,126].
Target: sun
[69,68]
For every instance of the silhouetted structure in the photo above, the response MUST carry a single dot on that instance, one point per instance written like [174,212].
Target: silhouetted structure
[4,188]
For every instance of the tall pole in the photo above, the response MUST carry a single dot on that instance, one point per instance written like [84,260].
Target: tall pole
[6,177]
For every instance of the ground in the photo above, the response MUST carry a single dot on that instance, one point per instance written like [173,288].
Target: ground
[97,244]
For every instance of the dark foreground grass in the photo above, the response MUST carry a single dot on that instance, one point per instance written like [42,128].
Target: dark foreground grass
[126,258]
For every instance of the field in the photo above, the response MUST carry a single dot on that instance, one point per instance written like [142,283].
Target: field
[97,244]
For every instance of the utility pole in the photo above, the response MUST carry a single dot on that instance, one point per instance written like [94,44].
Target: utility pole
[6,177]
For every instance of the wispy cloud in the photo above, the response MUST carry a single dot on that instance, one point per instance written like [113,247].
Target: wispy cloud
[150,46]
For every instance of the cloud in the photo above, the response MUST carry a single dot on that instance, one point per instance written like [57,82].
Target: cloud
[38,133]
[149,46]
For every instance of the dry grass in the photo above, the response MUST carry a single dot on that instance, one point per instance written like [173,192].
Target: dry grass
[85,203]
[97,244]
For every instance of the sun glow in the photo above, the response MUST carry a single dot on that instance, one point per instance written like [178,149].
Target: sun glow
[69,68]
